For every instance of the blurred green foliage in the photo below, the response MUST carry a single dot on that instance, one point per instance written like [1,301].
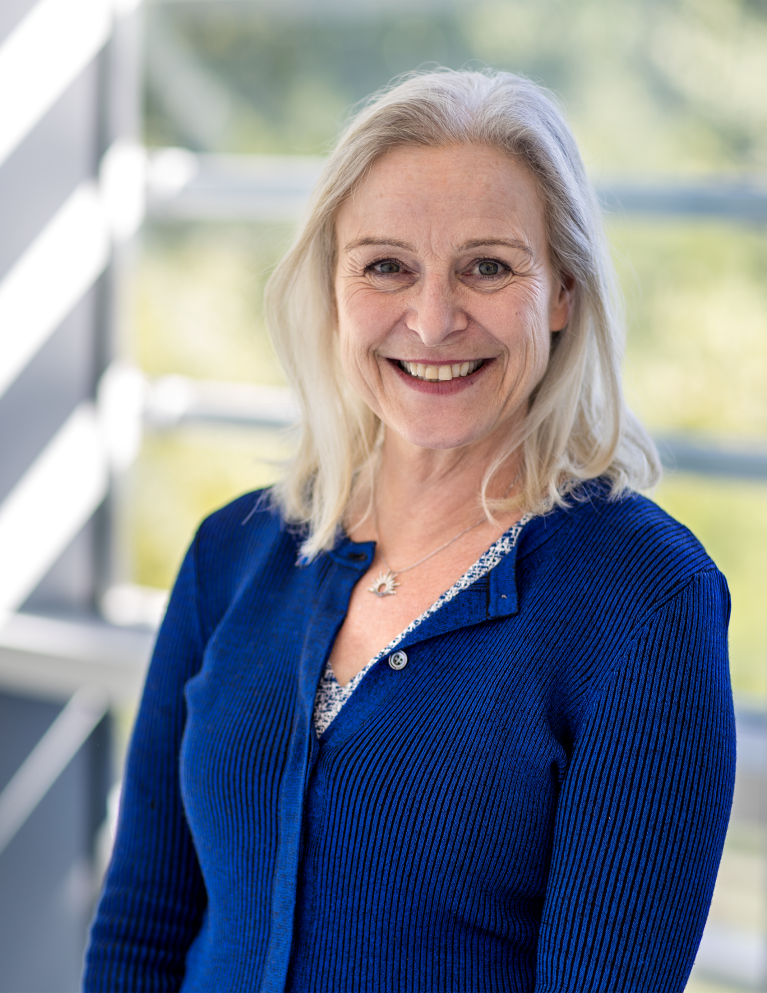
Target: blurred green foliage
[696,309]
[182,476]
[659,85]
[197,301]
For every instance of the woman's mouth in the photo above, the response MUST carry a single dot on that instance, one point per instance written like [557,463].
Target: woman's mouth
[440,373]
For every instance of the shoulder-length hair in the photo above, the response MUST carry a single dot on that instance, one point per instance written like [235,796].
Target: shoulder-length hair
[577,426]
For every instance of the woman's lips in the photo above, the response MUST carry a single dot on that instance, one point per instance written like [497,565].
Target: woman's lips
[440,385]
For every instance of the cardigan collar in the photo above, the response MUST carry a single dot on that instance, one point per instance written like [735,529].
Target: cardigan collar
[495,595]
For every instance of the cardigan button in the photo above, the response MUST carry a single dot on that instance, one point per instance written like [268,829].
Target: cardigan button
[398,660]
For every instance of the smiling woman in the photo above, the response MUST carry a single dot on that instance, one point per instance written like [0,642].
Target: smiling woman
[430,299]
[492,159]
[506,761]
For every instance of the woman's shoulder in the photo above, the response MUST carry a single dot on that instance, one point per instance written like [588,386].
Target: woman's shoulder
[625,542]
[240,539]
[252,512]
[248,518]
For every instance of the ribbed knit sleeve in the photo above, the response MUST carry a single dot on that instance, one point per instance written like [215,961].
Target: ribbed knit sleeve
[154,895]
[644,808]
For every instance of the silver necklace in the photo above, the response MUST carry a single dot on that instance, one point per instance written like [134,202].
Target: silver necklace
[385,582]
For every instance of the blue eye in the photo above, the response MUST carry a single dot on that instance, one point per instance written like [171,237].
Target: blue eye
[387,267]
[488,268]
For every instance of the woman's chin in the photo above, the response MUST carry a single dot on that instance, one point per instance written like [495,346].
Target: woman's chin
[439,438]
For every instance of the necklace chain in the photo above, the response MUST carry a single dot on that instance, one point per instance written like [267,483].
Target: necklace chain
[385,583]
[398,572]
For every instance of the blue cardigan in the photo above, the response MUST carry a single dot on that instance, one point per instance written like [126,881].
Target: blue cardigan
[536,801]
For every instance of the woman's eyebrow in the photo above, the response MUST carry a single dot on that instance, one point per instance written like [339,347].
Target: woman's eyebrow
[487,242]
[392,242]
[465,247]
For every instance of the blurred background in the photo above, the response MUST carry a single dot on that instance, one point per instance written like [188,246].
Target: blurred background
[154,159]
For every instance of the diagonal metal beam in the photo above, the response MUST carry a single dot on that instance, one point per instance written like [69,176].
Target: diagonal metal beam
[48,759]
[60,265]
[42,57]
[50,504]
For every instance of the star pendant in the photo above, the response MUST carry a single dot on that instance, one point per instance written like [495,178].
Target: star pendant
[384,583]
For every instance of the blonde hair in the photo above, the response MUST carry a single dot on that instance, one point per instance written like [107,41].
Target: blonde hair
[577,426]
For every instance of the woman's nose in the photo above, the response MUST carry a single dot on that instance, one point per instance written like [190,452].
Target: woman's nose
[435,312]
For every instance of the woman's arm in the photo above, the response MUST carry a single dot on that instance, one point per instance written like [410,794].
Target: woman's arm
[154,895]
[644,808]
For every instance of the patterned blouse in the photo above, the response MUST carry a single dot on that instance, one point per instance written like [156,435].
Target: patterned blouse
[331,696]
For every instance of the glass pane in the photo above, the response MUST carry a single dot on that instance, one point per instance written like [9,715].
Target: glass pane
[696,299]
[654,88]
[651,85]
[183,475]
[197,301]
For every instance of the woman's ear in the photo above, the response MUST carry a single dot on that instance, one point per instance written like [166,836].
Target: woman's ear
[561,303]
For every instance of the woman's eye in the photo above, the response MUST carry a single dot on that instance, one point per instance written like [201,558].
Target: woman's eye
[387,267]
[488,268]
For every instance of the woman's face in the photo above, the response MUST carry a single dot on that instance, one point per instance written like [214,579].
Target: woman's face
[445,294]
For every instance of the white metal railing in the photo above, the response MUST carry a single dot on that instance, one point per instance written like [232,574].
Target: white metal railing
[186,186]
[131,403]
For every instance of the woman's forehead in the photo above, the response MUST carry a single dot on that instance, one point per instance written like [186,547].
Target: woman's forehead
[475,188]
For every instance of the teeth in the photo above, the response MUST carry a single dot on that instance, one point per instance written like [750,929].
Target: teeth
[440,373]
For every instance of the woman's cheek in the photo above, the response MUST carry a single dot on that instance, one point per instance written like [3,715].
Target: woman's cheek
[358,362]
[362,320]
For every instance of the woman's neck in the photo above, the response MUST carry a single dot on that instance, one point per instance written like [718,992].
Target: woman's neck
[421,497]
